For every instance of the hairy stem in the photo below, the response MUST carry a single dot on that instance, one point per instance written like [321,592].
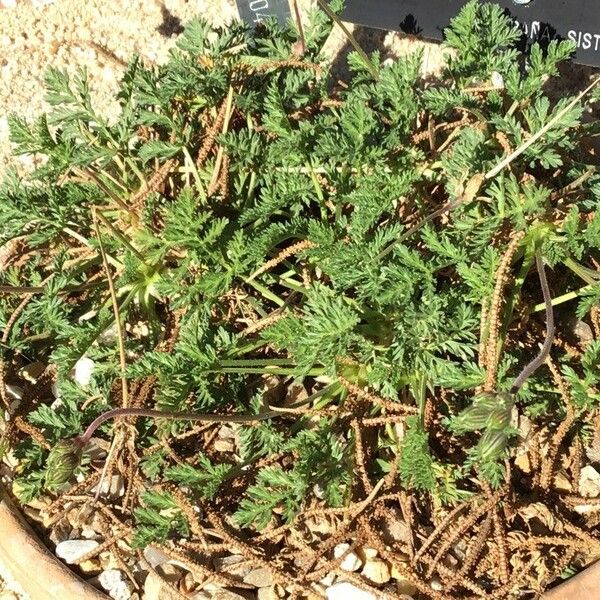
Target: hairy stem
[121,413]
[545,351]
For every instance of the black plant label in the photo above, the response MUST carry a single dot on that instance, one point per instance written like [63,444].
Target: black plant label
[257,11]
[540,20]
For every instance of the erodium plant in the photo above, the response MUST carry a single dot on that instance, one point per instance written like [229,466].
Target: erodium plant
[248,228]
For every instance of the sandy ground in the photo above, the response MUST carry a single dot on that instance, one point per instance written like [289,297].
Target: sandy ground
[69,34]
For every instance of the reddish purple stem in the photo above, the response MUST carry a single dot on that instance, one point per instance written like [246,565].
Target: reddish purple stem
[116,413]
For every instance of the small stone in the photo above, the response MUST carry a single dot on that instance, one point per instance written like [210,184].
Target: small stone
[72,550]
[259,578]
[395,528]
[562,483]
[347,591]
[589,482]
[188,584]
[33,514]
[90,566]
[319,525]
[328,580]
[89,533]
[351,561]
[584,509]
[229,564]
[113,488]
[377,571]
[268,593]
[583,331]
[169,572]
[366,553]
[223,446]
[227,595]
[226,432]
[14,391]
[109,336]
[396,573]
[226,561]
[522,461]
[114,582]
[155,556]
[318,491]
[82,372]
[436,584]
[108,561]
[403,586]
[55,390]
[460,548]
[39,503]
[497,80]
[153,587]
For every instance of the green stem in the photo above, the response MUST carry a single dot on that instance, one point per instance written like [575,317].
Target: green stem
[195,174]
[515,290]
[562,299]
[314,372]
[255,362]
[268,294]
[122,238]
[588,275]
[319,191]
[293,285]
[71,232]
[368,63]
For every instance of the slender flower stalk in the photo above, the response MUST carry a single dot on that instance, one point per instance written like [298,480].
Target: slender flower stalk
[537,362]
[65,457]
[121,413]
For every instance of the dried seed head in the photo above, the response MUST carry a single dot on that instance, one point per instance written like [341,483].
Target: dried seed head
[62,462]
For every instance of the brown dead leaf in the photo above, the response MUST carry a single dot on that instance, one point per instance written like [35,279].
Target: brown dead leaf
[538,514]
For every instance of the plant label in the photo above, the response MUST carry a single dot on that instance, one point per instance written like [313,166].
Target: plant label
[539,20]
[257,11]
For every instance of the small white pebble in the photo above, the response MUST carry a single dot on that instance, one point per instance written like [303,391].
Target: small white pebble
[347,591]
[497,80]
[84,368]
[436,584]
[377,571]
[114,582]
[14,391]
[351,562]
[72,550]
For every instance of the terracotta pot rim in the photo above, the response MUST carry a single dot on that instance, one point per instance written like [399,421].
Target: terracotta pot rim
[38,572]
[583,586]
